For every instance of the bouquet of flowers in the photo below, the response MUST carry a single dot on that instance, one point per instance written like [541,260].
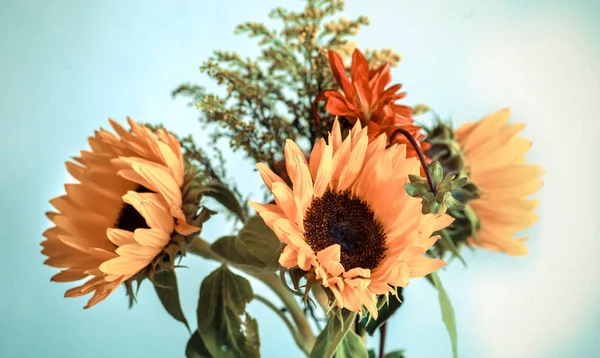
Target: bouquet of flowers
[361,195]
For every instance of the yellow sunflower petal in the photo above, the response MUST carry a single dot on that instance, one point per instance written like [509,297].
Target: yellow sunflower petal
[420,266]
[268,176]
[495,158]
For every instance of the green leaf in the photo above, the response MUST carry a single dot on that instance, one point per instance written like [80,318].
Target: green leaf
[416,189]
[447,313]
[226,197]
[395,354]
[385,312]
[372,353]
[447,242]
[195,347]
[435,169]
[165,284]
[255,247]
[351,346]
[338,324]
[225,327]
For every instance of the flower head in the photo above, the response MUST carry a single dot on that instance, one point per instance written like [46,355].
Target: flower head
[348,221]
[366,97]
[495,159]
[125,216]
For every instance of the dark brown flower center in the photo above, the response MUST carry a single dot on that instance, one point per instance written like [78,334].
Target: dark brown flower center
[129,218]
[342,218]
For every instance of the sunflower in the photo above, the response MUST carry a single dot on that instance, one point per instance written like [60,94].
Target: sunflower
[365,98]
[348,221]
[126,209]
[495,159]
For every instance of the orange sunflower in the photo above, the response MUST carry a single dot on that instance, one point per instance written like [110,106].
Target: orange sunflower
[366,98]
[123,213]
[348,220]
[495,158]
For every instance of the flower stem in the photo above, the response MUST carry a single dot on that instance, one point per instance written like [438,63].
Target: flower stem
[420,154]
[297,336]
[382,335]
[202,248]
[292,305]
[320,297]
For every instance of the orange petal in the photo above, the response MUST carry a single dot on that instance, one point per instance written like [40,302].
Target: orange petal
[354,165]
[329,258]
[339,73]
[289,257]
[152,207]
[284,197]
[324,173]
[306,258]
[420,266]
[154,238]
[268,176]
[315,157]
[119,237]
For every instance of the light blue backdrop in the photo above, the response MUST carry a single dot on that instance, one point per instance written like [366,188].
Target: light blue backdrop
[66,66]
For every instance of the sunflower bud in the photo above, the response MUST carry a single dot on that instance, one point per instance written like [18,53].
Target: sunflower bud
[441,200]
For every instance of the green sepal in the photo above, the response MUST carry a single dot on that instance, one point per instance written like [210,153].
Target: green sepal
[416,189]
[436,172]
[458,183]
[441,208]
[429,196]
[454,204]
[440,196]
[446,184]
[416,179]
[428,207]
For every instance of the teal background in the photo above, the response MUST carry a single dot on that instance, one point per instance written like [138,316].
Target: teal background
[66,66]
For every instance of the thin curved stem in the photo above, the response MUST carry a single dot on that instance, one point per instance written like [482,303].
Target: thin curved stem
[202,248]
[420,154]
[297,336]
[292,305]
[320,297]
[382,336]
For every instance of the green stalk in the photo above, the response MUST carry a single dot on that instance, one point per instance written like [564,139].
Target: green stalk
[297,336]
